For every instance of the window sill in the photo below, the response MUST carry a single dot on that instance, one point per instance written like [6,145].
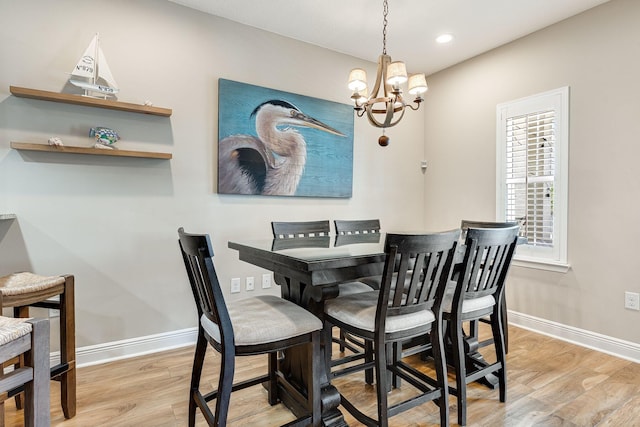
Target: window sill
[540,264]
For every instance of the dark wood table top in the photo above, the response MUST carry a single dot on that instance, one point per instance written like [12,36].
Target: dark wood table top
[316,253]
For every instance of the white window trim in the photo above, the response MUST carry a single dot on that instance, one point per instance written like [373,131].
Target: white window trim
[557,99]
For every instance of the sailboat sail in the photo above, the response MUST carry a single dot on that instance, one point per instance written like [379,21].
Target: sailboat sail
[93,66]
[86,66]
[104,72]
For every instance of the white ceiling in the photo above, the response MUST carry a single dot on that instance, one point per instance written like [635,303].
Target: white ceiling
[354,27]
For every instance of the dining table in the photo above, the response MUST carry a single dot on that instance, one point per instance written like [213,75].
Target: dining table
[308,271]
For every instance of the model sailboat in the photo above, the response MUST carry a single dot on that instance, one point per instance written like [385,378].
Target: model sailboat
[92,72]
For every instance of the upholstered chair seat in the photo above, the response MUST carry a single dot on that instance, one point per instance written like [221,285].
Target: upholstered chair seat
[264,319]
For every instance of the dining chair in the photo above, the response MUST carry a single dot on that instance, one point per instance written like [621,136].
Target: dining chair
[311,229]
[386,317]
[479,292]
[360,227]
[357,226]
[28,337]
[259,325]
[25,289]
[473,326]
[291,230]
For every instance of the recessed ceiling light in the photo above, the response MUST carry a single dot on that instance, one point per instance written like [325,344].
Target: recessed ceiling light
[444,38]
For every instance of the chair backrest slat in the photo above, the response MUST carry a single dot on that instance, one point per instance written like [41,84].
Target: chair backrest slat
[291,230]
[197,254]
[486,262]
[424,267]
[358,226]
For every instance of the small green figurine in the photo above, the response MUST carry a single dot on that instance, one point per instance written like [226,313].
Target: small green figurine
[105,137]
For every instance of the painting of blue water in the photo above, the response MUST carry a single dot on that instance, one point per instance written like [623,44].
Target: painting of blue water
[272,142]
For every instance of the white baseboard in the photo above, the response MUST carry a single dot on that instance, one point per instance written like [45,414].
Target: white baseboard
[109,352]
[616,347]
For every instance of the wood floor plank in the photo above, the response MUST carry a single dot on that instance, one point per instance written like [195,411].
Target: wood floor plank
[550,383]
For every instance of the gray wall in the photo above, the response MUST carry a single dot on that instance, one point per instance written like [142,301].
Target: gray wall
[112,222]
[596,54]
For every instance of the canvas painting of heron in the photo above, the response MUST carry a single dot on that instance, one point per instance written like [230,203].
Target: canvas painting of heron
[278,143]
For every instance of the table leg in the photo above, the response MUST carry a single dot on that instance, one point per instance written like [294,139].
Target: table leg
[293,363]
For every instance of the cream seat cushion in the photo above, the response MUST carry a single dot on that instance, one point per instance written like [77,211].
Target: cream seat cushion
[468,305]
[25,283]
[264,319]
[13,328]
[350,288]
[359,310]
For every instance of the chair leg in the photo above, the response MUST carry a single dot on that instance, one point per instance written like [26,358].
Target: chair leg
[196,372]
[505,323]
[394,356]
[68,348]
[343,337]
[440,362]
[457,339]
[497,328]
[272,387]
[24,313]
[368,357]
[381,382]
[37,410]
[225,385]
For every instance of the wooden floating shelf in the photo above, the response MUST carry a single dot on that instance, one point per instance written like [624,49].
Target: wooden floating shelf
[44,95]
[7,216]
[89,150]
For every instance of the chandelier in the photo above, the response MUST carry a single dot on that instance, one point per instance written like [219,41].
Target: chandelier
[385,106]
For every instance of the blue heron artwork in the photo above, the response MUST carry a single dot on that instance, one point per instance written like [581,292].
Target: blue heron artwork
[278,143]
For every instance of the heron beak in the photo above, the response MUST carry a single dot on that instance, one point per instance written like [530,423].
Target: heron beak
[310,122]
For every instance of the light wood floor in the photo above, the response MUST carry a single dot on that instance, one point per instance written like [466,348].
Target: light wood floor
[550,383]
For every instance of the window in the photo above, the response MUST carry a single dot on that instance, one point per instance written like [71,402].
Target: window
[532,149]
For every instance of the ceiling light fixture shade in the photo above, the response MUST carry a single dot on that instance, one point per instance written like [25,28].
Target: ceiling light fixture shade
[417,84]
[397,73]
[357,80]
[385,105]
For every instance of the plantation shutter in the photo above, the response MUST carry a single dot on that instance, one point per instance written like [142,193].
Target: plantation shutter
[530,175]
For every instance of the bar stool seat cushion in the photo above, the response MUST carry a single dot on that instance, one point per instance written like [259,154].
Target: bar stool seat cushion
[13,328]
[26,283]
[264,319]
[359,310]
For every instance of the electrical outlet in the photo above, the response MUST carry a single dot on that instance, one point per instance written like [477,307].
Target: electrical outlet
[249,283]
[235,285]
[266,281]
[632,300]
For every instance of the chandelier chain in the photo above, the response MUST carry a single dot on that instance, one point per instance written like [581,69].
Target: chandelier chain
[385,11]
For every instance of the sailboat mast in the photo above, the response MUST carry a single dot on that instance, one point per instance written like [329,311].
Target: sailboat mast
[95,59]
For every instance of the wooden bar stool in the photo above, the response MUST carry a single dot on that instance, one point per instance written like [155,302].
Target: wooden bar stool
[29,339]
[24,290]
